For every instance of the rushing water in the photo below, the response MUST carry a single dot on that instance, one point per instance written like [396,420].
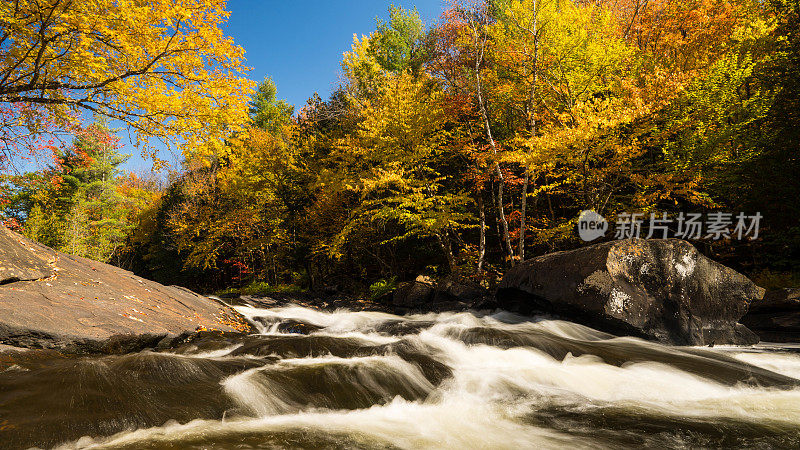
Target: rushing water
[374,380]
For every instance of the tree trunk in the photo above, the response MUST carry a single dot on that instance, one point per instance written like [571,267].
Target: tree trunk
[488,129]
[444,243]
[500,178]
[497,220]
[531,129]
[482,238]
[522,217]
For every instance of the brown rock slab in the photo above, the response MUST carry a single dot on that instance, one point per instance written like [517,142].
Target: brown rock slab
[22,259]
[49,299]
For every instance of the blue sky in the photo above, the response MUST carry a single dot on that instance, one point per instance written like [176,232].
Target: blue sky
[300,43]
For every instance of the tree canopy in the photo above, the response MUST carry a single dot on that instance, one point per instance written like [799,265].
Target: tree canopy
[164,68]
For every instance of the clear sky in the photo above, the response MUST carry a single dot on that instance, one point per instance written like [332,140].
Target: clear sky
[300,43]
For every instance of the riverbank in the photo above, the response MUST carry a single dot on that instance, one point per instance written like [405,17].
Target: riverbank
[662,290]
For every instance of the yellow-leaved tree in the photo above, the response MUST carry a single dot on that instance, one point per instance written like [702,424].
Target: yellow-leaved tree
[163,67]
[395,161]
[562,67]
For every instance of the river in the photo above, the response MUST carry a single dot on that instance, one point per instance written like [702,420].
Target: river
[343,379]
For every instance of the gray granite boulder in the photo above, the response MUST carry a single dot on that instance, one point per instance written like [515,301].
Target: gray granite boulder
[663,290]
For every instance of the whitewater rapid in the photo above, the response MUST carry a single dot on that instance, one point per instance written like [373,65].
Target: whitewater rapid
[463,380]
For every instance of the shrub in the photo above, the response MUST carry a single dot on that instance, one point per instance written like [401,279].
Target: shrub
[382,287]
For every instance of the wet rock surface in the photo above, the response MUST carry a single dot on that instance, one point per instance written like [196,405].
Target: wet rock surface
[53,300]
[663,290]
[414,293]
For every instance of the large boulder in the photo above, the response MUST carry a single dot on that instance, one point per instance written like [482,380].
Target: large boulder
[49,299]
[776,317]
[663,290]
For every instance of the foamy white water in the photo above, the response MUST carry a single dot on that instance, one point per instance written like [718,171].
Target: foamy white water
[457,380]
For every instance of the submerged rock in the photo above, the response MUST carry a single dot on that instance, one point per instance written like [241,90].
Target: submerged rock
[776,317]
[49,299]
[297,327]
[663,290]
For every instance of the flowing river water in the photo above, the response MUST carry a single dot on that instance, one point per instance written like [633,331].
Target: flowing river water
[312,379]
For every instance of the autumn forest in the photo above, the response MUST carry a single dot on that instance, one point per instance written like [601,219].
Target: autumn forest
[456,147]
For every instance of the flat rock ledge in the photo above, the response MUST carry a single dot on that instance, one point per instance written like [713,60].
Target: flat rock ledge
[52,300]
[661,289]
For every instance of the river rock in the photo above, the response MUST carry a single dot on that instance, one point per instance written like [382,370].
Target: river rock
[663,290]
[776,317]
[449,293]
[49,299]
[452,289]
[413,294]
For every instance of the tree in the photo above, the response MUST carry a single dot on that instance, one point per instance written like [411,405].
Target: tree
[399,43]
[677,40]
[734,128]
[163,67]
[394,164]
[237,215]
[266,111]
[77,205]
[517,35]
[461,52]
[395,47]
